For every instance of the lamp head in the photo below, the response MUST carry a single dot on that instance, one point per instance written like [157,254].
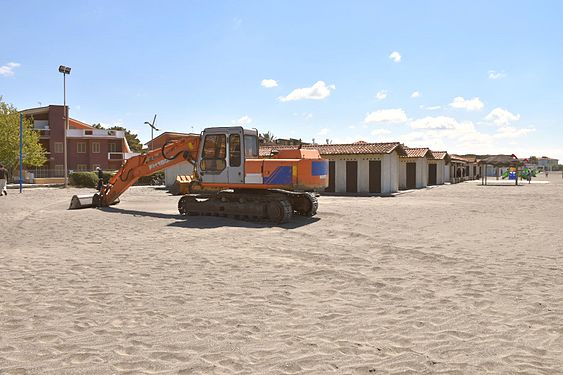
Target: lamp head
[64,69]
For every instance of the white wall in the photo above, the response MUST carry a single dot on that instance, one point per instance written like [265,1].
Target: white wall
[447,174]
[180,169]
[421,172]
[389,172]
[440,169]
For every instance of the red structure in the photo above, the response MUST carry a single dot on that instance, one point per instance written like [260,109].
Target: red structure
[87,147]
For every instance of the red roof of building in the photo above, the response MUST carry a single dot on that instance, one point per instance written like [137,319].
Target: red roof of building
[461,159]
[439,155]
[418,152]
[78,124]
[344,149]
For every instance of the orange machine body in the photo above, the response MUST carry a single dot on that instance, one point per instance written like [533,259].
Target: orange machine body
[296,170]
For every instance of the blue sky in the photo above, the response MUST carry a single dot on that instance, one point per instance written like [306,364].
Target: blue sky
[476,76]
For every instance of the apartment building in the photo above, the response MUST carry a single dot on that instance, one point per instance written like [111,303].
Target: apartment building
[87,147]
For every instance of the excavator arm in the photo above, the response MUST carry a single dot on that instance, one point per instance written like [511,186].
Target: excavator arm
[171,153]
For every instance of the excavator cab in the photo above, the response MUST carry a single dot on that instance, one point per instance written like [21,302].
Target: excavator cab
[222,154]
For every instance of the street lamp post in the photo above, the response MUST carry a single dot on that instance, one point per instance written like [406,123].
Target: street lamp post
[152,128]
[65,70]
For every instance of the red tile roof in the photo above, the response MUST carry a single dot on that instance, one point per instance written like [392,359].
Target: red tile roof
[419,152]
[439,155]
[78,124]
[461,159]
[344,149]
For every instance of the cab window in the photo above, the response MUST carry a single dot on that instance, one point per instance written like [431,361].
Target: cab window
[234,150]
[214,153]
[250,146]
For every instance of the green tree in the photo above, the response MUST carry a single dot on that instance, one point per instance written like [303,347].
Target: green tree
[34,153]
[132,138]
[267,138]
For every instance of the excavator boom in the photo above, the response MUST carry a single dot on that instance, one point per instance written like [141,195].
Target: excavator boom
[171,153]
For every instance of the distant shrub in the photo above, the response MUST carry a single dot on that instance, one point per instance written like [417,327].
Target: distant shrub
[156,178]
[83,179]
[107,176]
[90,179]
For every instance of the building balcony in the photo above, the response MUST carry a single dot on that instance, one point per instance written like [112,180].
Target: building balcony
[121,155]
[44,133]
[94,133]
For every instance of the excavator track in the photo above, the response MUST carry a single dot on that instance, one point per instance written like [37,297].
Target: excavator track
[276,206]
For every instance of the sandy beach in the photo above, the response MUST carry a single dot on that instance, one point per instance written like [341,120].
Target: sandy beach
[456,279]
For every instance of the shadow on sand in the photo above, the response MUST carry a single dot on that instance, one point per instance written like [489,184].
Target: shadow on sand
[204,222]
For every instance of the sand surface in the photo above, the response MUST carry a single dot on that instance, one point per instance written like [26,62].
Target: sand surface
[458,279]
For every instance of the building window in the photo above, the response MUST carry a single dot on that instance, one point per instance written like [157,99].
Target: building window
[81,167]
[81,147]
[96,147]
[59,147]
[112,147]
[88,132]
[59,170]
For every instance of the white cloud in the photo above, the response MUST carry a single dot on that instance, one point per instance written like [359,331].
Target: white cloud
[380,132]
[474,104]
[318,91]
[8,69]
[501,117]
[395,56]
[323,131]
[510,132]
[496,75]
[430,107]
[462,136]
[415,94]
[304,115]
[108,125]
[269,83]
[439,122]
[382,94]
[243,121]
[396,115]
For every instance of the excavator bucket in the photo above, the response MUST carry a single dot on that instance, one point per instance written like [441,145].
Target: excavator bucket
[82,201]
[86,201]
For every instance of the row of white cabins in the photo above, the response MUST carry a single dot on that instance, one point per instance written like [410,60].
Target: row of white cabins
[385,168]
[377,168]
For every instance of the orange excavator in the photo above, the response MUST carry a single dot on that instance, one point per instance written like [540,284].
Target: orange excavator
[229,177]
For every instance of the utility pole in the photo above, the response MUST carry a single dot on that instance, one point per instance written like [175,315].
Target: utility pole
[65,70]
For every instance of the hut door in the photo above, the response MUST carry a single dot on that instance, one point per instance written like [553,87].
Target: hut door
[351,176]
[375,176]
[331,177]
[411,175]
[432,173]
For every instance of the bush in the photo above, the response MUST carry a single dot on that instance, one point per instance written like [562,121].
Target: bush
[90,179]
[107,176]
[156,178]
[83,179]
